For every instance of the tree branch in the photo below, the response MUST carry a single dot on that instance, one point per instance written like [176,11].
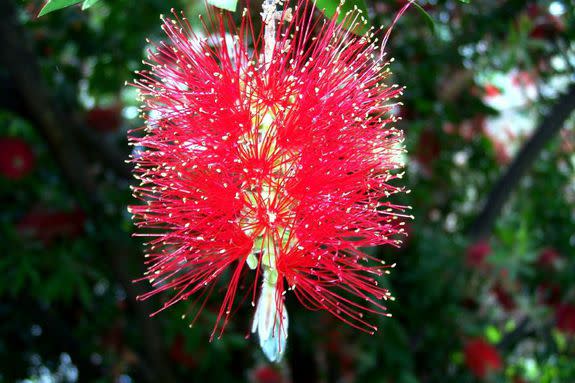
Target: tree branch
[17,56]
[19,59]
[550,124]
[60,131]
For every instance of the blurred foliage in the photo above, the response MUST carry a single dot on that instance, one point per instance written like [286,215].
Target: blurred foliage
[67,305]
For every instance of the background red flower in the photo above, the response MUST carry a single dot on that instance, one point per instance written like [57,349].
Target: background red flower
[565,318]
[104,118]
[47,226]
[481,357]
[16,158]
[476,254]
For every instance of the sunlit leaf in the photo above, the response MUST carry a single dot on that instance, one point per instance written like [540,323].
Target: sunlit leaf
[88,3]
[492,334]
[228,5]
[54,5]
[330,7]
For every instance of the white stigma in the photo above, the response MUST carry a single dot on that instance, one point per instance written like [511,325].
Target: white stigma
[271,320]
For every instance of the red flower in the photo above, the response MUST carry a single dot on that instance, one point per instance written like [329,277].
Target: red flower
[568,141]
[504,298]
[565,318]
[472,127]
[277,159]
[523,79]
[549,293]
[549,258]
[545,25]
[501,152]
[428,149]
[266,374]
[476,254]
[16,158]
[467,129]
[482,358]
[492,90]
[48,226]
[104,119]
[179,354]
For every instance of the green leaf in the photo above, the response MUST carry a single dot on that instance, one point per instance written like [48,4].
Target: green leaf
[492,334]
[428,17]
[228,5]
[88,3]
[330,6]
[54,5]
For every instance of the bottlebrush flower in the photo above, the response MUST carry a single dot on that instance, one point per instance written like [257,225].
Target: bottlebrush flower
[104,119]
[492,91]
[16,158]
[266,374]
[179,354]
[482,358]
[545,25]
[48,226]
[504,297]
[274,161]
[549,258]
[477,253]
[565,318]
[548,293]
[427,151]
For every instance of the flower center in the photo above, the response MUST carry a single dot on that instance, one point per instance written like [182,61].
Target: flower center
[266,217]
